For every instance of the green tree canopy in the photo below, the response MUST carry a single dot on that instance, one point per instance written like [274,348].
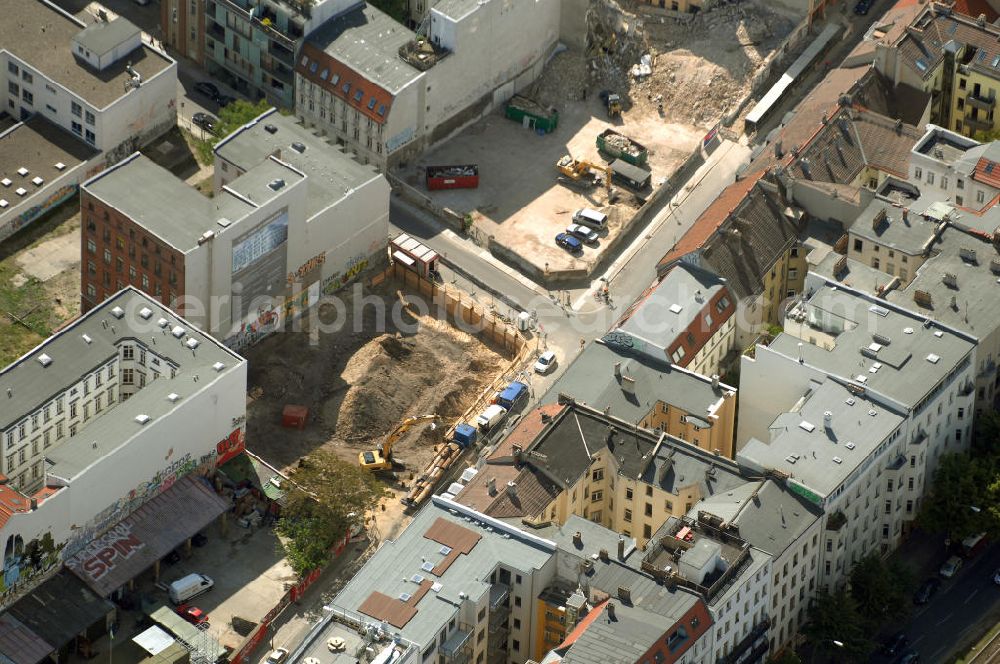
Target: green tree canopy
[881,590]
[234,115]
[963,497]
[836,630]
[329,497]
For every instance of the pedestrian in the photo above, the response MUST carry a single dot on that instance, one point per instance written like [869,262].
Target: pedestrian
[585,94]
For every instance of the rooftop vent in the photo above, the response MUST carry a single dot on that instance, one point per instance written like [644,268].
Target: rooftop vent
[967,254]
[22,171]
[44,360]
[5,182]
[173,397]
[949,280]
[20,191]
[907,330]
[299,147]
[3,203]
[436,587]
[178,331]
[118,313]
[881,311]
[142,418]
[37,181]
[86,338]
[405,597]
[675,308]
[270,128]
[849,401]
[849,445]
[145,313]
[882,339]
[838,460]
[60,166]
[444,550]
[276,184]
[427,566]
[933,358]
[922,298]
[192,343]
[162,322]
[218,366]
[792,458]
[995,266]
[938,333]
[807,426]
[417,579]
[874,347]
[861,378]
[872,412]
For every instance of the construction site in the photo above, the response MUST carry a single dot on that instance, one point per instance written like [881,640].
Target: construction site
[657,80]
[356,386]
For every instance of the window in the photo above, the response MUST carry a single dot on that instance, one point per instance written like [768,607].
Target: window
[13,88]
[628,516]
[944,182]
[516,645]
[958,200]
[649,510]
[127,376]
[628,493]
[598,475]
[77,128]
[667,505]
[917,173]
[980,196]
[647,531]
[858,245]
[960,183]
[89,117]
[678,354]
[27,97]
[596,496]
[72,409]
[27,77]
[517,600]
[677,638]
[12,68]
[90,137]
[875,263]
[128,352]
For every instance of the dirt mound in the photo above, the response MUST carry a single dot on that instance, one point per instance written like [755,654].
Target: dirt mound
[395,347]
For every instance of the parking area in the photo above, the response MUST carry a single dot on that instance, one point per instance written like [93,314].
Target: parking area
[250,575]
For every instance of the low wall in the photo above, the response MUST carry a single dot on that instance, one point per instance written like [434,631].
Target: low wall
[413,196]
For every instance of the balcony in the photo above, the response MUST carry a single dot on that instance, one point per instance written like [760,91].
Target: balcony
[499,592]
[457,648]
[988,369]
[740,652]
[898,463]
[919,437]
[261,21]
[979,124]
[836,521]
[982,103]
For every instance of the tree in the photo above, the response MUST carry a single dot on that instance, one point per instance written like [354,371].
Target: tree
[787,656]
[836,630]
[879,589]
[235,114]
[963,496]
[329,497]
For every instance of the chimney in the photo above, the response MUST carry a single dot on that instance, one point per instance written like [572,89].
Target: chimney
[800,353]
[618,369]
[517,451]
[906,215]
[491,486]
[881,216]
[628,384]
[578,539]
[603,555]
[827,419]
[715,381]
[34,504]
[621,548]
[512,489]
[611,610]
[625,594]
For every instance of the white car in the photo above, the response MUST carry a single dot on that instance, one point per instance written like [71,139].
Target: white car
[546,362]
[586,234]
[277,656]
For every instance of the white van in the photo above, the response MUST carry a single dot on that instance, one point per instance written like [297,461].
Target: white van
[490,417]
[189,586]
[593,218]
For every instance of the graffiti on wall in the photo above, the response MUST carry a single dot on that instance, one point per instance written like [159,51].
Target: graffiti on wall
[306,268]
[229,447]
[23,564]
[252,331]
[336,281]
[54,199]
[104,553]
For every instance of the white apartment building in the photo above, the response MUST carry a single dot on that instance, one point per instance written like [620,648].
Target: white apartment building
[948,165]
[103,416]
[368,83]
[870,396]
[98,81]
[292,218]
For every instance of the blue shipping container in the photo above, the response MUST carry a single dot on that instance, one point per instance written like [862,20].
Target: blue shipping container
[465,434]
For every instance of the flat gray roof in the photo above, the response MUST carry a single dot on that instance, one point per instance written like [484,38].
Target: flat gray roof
[42,35]
[390,570]
[773,517]
[909,236]
[591,379]
[165,205]
[457,9]
[101,37]
[38,146]
[976,296]
[825,456]
[904,372]
[73,357]
[265,181]
[673,305]
[855,274]
[332,174]
[368,41]
[593,538]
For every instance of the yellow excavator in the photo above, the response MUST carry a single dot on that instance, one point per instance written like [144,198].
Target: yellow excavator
[580,172]
[381,459]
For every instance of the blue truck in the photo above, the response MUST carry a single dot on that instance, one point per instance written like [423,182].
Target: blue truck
[513,395]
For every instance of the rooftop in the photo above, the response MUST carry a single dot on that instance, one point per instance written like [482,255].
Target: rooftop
[973,302]
[922,47]
[881,346]
[591,380]
[773,517]
[420,581]
[332,175]
[171,209]
[593,539]
[820,445]
[673,304]
[944,145]
[852,273]
[627,636]
[89,343]
[898,228]
[103,36]
[40,148]
[367,41]
[41,35]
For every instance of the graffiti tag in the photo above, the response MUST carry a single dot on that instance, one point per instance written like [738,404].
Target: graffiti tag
[100,557]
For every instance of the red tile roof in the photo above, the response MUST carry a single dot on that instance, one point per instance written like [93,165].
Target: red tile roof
[987,172]
[582,626]
[12,502]
[711,219]
[974,8]
[342,81]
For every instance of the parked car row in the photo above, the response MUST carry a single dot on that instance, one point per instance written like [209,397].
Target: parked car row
[212,92]
[586,229]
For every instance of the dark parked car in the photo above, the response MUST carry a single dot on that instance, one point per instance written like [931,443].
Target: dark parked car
[908,657]
[568,242]
[204,120]
[207,89]
[224,100]
[926,591]
[861,9]
[895,644]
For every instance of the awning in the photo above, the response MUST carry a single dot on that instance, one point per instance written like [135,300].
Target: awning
[403,258]
[20,645]
[154,640]
[211,650]
[56,612]
[147,535]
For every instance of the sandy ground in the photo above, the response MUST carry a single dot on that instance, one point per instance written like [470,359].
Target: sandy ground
[701,68]
[359,383]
